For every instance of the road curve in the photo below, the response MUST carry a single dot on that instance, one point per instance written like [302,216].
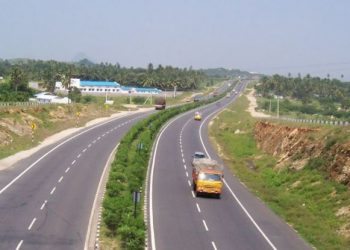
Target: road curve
[46,199]
[179,220]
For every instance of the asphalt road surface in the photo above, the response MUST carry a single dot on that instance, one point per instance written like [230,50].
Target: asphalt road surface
[46,199]
[179,220]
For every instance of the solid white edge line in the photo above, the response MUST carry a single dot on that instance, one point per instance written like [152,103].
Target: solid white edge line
[31,224]
[19,245]
[205,225]
[233,194]
[99,187]
[53,149]
[151,219]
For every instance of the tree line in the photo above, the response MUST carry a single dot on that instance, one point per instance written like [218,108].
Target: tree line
[306,89]
[326,97]
[48,72]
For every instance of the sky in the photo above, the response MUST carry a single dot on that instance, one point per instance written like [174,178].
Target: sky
[265,36]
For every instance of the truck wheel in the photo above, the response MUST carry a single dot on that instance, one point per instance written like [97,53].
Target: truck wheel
[218,196]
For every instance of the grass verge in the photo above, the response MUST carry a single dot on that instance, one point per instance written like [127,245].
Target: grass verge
[305,199]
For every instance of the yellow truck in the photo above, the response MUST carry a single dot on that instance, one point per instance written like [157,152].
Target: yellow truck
[207,177]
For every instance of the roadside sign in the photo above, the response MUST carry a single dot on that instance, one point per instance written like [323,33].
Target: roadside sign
[33,125]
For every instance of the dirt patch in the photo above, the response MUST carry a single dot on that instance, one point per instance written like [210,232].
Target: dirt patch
[253,106]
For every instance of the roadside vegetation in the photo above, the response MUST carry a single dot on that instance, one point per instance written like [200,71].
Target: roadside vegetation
[306,199]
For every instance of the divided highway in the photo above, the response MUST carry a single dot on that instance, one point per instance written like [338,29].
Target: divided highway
[46,199]
[179,220]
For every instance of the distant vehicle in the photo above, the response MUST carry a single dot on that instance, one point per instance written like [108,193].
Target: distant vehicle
[160,103]
[197,116]
[207,177]
[198,155]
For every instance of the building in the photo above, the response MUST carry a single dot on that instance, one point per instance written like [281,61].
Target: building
[46,97]
[102,87]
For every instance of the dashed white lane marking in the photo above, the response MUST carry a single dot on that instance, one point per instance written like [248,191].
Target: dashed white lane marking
[67,170]
[186,174]
[89,145]
[185,167]
[19,245]
[31,224]
[189,183]
[98,138]
[53,190]
[78,155]
[84,150]
[183,160]
[60,179]
[43,205]
[205,225]
[182,155]
[94,141]
[198,208]
[193,194]
[103,135]
[214,246]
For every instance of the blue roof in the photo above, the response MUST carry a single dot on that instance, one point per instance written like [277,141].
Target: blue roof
[140,90]
[98,84]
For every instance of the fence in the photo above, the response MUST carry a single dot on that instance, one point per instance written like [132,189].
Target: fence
[312,121]
[22,104]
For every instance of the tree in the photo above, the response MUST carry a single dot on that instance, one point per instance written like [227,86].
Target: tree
[18,80]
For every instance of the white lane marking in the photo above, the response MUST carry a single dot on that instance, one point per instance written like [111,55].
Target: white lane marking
[193,194]
[43,205]
[89,146]
[103,135]
[99,187]
[78,155]
[53,190]
[233,194]
[214,246]
[198,208]
[19,245]
[186,174]
[53,149]
[185,167]
[31,224]
[183,160]
[73,162]
[84,150]
[94,141]
[98,138]
[205,225]
[182,155]
[189,183]
[67,170]
[60,179]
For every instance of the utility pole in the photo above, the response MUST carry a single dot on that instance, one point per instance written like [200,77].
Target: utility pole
[278,107]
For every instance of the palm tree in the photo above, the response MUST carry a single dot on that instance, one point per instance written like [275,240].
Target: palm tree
[18,79]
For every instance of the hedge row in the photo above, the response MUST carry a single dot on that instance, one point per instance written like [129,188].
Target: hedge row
[127,174]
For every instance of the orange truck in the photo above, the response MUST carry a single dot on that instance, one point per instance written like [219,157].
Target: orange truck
[207,177]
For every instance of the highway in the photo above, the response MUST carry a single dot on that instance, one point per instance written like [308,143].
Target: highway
[179,220]
[46,199]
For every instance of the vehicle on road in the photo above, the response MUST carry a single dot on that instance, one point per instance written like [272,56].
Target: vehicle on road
[207,177]
[197,116]
[159,103]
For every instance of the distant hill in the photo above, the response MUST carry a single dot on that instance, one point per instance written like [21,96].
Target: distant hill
[84,62]
[222,72]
